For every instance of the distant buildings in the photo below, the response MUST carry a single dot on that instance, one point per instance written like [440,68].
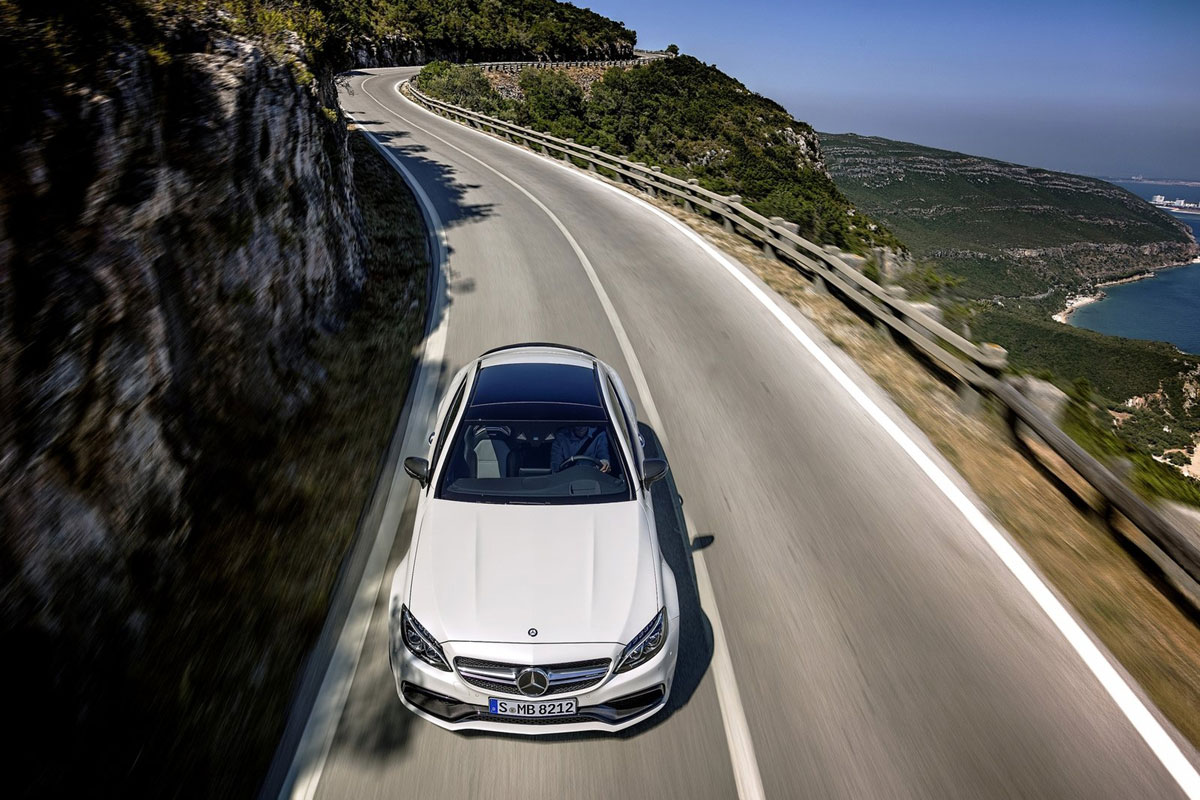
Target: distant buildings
[1162,202]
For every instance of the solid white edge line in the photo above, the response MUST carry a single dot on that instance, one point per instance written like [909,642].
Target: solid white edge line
[312,752]
[733,715]
[1127,700]
[1144,722]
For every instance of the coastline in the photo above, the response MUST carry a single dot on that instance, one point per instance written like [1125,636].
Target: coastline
[1076,302]
[1141,276]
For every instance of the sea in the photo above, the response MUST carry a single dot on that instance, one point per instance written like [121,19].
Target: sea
[1166,307]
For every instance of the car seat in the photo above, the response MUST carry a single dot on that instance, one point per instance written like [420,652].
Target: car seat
[490,453]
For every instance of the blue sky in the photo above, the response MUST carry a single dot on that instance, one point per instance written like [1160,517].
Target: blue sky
[1099,88]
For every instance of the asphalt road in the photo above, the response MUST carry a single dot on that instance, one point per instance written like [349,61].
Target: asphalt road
[876,646]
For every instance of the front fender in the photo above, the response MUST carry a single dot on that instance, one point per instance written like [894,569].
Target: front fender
[395,600]
[670,593]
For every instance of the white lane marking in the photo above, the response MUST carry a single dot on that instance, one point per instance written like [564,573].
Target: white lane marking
[1127,700]
[308,764]
[733,714]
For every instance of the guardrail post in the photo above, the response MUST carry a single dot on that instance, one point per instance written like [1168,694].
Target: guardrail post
[769,237]
[1122,469]
[641,184]
[727,218]
[566,156]
[993,358]
[687,201]
[650,186]
[1012,422]
[885,330]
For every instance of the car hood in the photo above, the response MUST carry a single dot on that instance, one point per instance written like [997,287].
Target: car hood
[575,573]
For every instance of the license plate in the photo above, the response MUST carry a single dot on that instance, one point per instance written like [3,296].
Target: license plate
[532,708]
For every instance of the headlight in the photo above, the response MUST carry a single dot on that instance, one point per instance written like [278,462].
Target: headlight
[645,645]
[419,641]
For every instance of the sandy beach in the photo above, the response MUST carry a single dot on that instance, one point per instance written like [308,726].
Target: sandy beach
[1075,302]
[1079,301]
[1193,470]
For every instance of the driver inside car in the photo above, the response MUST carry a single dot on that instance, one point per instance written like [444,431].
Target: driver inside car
[580,441]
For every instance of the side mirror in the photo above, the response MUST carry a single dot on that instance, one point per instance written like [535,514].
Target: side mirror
[417,468]
[653,469]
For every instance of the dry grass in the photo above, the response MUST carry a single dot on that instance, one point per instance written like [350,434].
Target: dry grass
[257,585]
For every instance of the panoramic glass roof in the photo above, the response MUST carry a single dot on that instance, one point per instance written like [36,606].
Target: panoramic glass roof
[536,391]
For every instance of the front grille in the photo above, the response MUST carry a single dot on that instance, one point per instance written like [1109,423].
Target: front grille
[492,686]
[494,676]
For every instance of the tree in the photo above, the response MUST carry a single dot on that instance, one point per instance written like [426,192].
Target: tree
[673,49]
[553,101]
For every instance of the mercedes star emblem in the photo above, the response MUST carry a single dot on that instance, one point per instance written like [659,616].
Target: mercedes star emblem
[533,682]
[533,631]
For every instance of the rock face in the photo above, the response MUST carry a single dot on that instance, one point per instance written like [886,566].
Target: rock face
[172,238]
[508,84]
[403,51]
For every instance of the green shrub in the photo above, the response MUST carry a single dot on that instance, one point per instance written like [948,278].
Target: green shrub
[693,121]
[553,102]
[1178,458]
[926,280]
[1092,430]
[462,85]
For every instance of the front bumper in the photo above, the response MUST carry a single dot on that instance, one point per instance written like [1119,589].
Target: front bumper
[616,703]
[456,715]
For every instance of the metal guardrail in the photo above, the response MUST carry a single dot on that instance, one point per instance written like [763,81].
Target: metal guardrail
[976,368]
[517,66]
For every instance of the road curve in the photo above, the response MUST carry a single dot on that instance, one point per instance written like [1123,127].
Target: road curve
[874,646]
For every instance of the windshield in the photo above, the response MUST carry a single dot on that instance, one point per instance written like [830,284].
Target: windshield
[535,461]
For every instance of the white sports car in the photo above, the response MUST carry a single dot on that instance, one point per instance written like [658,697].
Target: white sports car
[533,598]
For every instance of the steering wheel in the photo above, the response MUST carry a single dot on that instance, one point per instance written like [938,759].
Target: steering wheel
[599,464]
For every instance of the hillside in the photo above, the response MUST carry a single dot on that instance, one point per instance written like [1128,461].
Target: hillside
[389,32]
[1009,230]
[1021,239]
[687,117]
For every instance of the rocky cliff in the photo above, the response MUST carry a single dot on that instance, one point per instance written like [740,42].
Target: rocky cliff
[402,50]
[177,232]
[176,226]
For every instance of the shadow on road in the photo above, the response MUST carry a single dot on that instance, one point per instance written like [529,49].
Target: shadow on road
[695,631]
